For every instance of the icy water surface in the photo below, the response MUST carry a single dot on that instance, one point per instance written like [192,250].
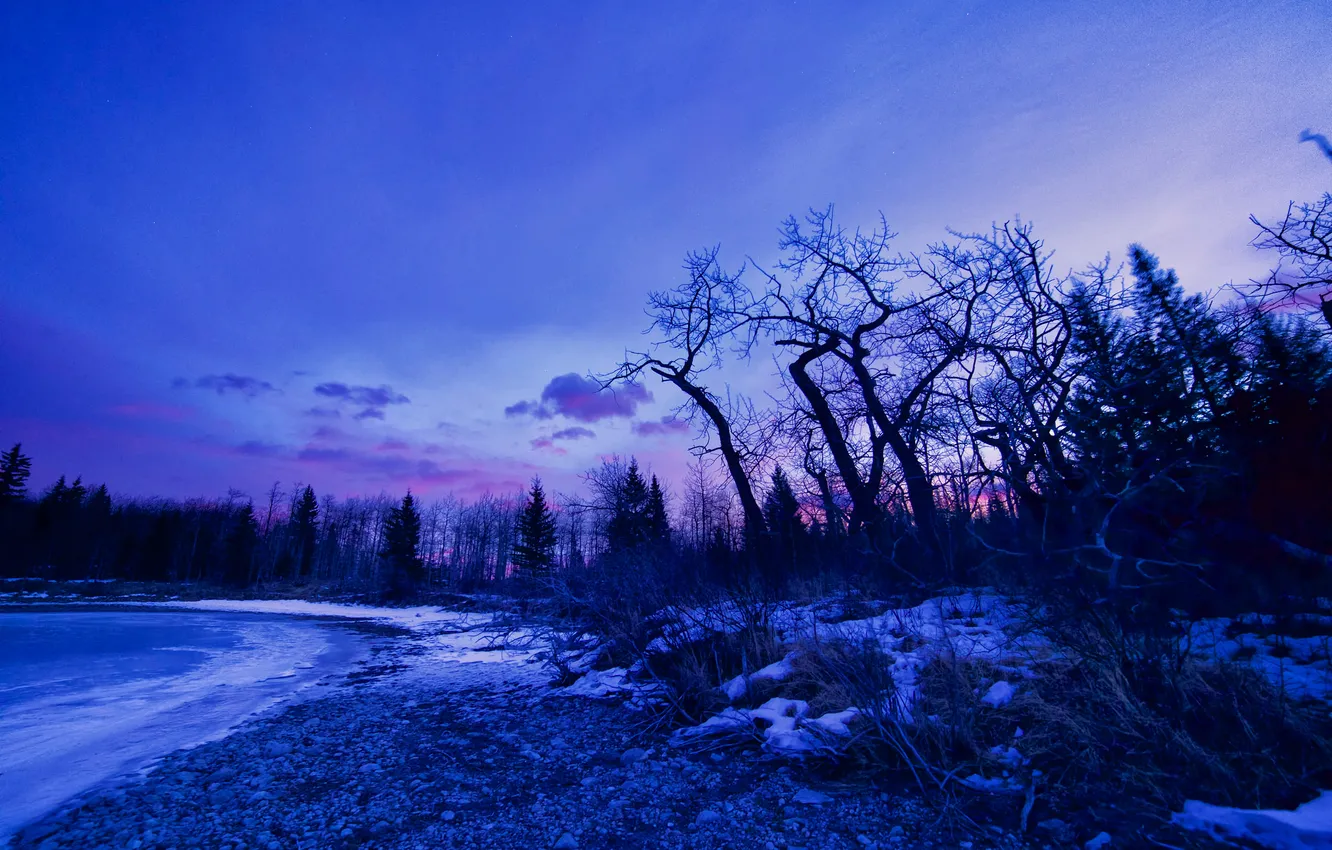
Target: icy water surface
[89,695]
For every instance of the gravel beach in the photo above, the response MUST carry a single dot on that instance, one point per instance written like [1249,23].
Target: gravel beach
[416,753]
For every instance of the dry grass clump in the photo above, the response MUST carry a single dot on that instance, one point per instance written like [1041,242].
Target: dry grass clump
[1096,732]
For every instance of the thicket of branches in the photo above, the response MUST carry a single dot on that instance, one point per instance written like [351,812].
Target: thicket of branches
[976,413]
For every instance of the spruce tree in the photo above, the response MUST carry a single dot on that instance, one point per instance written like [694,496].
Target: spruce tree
[15,467]
[240,545]
[305,524]
[628,526]
[402,537]
[658,525]
[74,495]
[781,508]
[781,511]
[535,553]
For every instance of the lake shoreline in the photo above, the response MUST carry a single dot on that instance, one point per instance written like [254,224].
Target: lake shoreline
[75,736]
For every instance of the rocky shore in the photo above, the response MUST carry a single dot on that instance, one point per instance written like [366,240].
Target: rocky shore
[483,755]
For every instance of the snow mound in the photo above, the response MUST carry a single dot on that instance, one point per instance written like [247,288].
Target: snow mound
[999,695]
[1308,827]
[778,671]
[783,724]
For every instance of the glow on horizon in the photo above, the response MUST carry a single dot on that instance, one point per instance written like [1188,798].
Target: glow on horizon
[462,204]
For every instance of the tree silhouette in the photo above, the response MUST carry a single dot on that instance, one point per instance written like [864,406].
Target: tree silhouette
[535,553]
[15,467]
[402,539]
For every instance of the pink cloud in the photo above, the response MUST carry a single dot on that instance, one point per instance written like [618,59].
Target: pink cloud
[576,397]
[665,425]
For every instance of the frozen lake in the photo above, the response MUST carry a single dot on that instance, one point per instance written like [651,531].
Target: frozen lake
[89,695]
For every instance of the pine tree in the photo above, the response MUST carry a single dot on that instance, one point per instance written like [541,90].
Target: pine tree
[628,526]
[240,545]
[781,511]
[658,525]
[305,521]
[74,495]
[56,495]
[15,467]
[535,553]
[402,538]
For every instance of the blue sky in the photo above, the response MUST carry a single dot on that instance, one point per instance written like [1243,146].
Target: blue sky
[209,211]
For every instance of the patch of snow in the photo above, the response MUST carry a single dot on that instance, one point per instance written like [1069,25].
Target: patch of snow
[1308,827]
[600,684]
[417,618]
[1000,694]
[835,722]
[778,671]
[994,784]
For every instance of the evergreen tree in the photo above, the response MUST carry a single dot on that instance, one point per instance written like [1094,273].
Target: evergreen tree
[535,553]
[402,538]
[658,525]
[628,526]
[240,545]
[781,511]
[15,467]
[56,495]
[74,494]
[781,508]
[305,525]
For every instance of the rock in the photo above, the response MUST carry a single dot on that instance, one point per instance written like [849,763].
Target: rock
[276,749]
[448,816]
[707,816]
[631,757]
[370,768]
[566,842]
[809,797]
[1099,842]
[1052,825]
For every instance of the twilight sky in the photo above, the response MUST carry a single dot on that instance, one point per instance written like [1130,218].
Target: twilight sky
[372,246]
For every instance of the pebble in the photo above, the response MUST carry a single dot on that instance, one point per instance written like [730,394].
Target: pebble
[810,797]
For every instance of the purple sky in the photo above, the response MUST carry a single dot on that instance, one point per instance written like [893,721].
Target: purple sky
[333,243]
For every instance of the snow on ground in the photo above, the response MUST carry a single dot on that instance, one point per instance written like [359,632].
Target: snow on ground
[1296,665]
[980,626]
[418,618]
[973,627]
[778,671]
[1308,827]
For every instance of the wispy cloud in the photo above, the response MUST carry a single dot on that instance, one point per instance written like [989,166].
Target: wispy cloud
[577,432]
[365,396]
[546,444]
[665,425]
[229,383]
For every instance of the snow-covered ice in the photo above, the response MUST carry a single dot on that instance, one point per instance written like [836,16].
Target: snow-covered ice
[1308,827]
[89,695]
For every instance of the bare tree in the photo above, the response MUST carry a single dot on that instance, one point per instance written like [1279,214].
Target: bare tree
[1302,278]
[694,320]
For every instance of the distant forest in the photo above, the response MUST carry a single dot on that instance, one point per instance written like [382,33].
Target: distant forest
[965,414]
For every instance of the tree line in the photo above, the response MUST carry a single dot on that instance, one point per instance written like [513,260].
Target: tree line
[968,413]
